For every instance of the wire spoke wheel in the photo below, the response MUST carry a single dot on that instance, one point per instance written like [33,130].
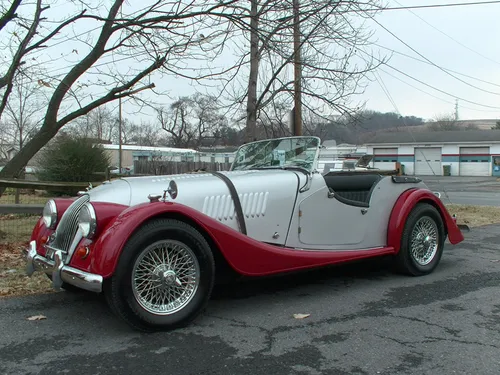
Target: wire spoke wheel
[424,241]
[165,277]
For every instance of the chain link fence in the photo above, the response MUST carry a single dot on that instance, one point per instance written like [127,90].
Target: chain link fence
[20,209]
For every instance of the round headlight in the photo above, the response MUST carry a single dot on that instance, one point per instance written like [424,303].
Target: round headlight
[87,221]
[50,214]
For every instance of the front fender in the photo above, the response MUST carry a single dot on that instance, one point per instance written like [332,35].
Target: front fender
[107,249]
[405,203]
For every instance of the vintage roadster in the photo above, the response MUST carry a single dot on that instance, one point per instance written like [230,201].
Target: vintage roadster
[155,245]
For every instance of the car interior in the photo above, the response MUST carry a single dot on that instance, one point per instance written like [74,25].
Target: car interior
[353,189]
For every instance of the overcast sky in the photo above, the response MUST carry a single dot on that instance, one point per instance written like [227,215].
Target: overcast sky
[463,39]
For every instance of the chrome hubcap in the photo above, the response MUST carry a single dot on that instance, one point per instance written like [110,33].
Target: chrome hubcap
[424,241]
[165,277]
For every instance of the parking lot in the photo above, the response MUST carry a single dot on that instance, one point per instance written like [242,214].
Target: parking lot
[363,320]
[482,191]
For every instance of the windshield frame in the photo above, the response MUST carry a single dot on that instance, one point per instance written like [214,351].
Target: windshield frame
[266,142]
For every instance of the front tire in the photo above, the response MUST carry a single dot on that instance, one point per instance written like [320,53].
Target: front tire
[164,277]
[422,241]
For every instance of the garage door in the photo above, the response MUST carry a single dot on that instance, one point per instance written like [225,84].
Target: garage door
[474,161]
[428,161]
[385,158]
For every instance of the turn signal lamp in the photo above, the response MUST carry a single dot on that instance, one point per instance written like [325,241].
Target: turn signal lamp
[82,252]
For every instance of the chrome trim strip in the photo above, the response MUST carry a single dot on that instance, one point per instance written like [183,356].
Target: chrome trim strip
[76,240]
[60,272]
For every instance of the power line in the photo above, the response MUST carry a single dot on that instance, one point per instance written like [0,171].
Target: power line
[437,66]
[426,84]
[432,95]
[426,62]
[434,6]
[435,88]
[450,37]
[414,140]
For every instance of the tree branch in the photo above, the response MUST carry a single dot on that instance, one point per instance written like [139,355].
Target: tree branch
[10,14]
[7,79]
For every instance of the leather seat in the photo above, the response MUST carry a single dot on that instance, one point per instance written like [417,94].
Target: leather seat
[353,187]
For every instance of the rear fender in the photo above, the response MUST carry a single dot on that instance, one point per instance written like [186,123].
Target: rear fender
[405,204]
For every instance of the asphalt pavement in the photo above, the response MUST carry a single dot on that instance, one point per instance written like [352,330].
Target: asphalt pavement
[363,320]
[477,191]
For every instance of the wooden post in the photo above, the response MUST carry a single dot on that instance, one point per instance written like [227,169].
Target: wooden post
[398,168]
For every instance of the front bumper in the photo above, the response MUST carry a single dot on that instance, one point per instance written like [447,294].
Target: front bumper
[60,272]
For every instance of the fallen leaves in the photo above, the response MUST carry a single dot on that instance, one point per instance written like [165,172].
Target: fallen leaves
[13,278]
[37,317]
[301,316]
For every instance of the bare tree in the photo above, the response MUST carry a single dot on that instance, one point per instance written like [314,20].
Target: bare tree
[21,44]
[23,110]
[163,36]
[444,122]
[191,120]
[142,134]
[274,121]
[99,124]
[333,69]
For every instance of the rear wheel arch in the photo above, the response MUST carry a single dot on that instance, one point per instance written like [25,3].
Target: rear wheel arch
[402,210]
[441,213]
[403,260]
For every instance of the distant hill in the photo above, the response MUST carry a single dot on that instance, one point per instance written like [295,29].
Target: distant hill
[484,124]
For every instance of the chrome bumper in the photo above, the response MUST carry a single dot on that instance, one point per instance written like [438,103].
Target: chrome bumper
[60,272]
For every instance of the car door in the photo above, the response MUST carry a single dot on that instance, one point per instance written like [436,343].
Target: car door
[325,221]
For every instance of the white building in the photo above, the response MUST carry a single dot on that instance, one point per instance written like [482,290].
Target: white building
[463,153]
[133,152]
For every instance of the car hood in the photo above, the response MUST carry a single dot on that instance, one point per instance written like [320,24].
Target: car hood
[191,186]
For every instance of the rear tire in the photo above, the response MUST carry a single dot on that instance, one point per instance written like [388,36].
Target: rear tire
[164,277]
[422,241]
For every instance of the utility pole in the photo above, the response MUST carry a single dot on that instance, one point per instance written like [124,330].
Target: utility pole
[120,135]
[297,118]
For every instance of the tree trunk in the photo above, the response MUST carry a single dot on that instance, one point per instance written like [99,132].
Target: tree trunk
[19,161]
[297,113]
[251,125]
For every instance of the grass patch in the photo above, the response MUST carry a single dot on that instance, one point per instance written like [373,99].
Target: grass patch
[10,198]
[475,216]
[16,228]
[13,279]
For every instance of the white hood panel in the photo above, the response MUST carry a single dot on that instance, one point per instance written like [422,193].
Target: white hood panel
[267,197]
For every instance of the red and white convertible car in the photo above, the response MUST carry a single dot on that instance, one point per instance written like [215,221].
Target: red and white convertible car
[155,245]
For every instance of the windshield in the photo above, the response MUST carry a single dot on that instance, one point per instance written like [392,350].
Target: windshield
[278,153]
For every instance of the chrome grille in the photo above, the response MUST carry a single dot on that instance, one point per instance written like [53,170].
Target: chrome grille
[68,225]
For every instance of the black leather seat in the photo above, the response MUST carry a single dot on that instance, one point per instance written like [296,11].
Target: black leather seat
[352,187]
